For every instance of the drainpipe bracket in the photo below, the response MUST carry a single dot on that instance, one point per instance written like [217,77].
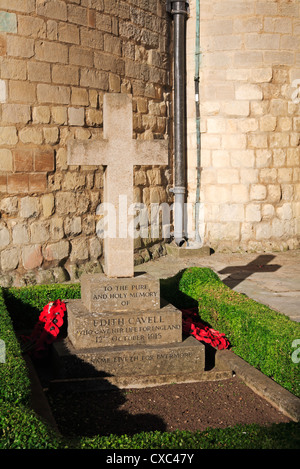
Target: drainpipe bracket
[178,190]
[185,10]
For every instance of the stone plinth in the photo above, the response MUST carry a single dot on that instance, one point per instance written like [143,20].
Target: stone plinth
[127,328]
[119,334]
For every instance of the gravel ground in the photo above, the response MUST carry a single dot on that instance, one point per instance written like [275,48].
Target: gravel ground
[192,406]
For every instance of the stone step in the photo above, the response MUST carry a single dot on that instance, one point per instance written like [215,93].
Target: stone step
[136,366]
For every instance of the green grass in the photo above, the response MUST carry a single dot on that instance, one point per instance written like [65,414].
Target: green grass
[242,320]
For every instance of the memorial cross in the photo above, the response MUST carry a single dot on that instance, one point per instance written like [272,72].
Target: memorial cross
[118,152]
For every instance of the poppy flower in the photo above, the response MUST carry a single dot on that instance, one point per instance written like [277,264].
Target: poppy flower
[193,326]
[46,329]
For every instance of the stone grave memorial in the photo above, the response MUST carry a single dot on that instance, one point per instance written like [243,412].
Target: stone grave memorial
[121,332]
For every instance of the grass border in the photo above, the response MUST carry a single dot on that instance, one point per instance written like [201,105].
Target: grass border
[21,428]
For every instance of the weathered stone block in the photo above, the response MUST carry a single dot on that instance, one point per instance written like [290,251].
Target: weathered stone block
[6,160]
[127,328]
[134,366]
[100,293]
[8,22]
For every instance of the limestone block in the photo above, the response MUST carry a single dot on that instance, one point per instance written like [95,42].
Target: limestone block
[18,46]
[258,192]
[4,235]
[79,97]
[9,205]
[56,9]
[79,250]
[293,156]
[95,248]
[29,207]
[59,115]
[263,158]
[31,135]
[248,92]
[216,193]
[47,202]
[94,79]
[233,212]
[32,257]
[228,176]
[285,212]
[56,228]
[253,213]
[65,74]
[13,69]
[242,158]
[65,203]
[31,27]
[57,251]
[8,136]
[267,123]
[279,156]
[258,140]
[3,91]
[268,175]
[268,211]
[94,117]
[53,94]
[41,115]
[285,175]
[274,192]
[240,193]
[39,72]
[51,135]
[8,22]
[6,160]
[16,113]
[9,259]
[68,33]
[263,231]
[72,226]
[39,232]
[279,140]
[285,124]
[20,234]
[74,181]
[236,108]
[234,141]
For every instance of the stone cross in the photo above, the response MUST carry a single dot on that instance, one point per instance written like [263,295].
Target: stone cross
[118,152]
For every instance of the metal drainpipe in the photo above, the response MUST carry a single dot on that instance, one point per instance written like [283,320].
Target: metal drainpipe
[179,11]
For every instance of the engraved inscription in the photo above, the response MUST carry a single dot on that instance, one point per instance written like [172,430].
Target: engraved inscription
[172,355]
[137,329]
[124,293]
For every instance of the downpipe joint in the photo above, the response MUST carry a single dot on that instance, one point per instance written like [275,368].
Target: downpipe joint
[179,215]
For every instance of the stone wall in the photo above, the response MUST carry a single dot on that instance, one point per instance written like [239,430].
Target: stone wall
[250,123]
[57,59]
